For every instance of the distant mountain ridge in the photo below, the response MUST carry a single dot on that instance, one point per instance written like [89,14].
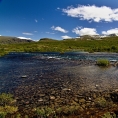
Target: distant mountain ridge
[12,40]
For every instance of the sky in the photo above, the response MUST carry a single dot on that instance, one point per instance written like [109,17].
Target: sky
[58,19]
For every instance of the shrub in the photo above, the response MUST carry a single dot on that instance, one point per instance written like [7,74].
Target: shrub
[6,99]
[101,102]
[109,115]
[2,114]
[8,109]
[103,62]
[45,112]
[7,105]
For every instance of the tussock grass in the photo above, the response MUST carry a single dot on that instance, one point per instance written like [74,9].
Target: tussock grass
[103,62]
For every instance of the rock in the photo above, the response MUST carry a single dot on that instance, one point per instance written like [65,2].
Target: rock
[52,97]
[116,64]
[40,100]
[116,90]
[81,109]
[88,113]
[66,89]
[42,95]
[96,85]
[27,102]
[76,100]
[88,104]
[94,95]
[90,98]
[24,76]
[83,106]
[81,101]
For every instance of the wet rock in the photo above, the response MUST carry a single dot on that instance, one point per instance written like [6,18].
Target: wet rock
[24,76]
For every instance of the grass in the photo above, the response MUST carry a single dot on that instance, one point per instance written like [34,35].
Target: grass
[109,115]
[45,112]
[103,62]
[7,105]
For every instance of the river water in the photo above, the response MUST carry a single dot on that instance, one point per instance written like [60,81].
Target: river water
[24,69]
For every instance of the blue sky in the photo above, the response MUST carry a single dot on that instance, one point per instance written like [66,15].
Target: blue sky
[57,19]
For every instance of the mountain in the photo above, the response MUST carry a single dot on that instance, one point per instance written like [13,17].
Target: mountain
[12,40]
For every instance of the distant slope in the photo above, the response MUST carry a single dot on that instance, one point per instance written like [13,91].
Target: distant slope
[12,40]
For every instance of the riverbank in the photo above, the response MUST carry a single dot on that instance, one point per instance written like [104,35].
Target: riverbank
[108,44]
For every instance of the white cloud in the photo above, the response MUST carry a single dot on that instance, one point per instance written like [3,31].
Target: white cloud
[111,31]
[58,8]
[85,31]
[50,33]
[59,29]
[92,13]
[36,20]
[66,37]
[35,31]
[0,35]
[26,33]
[24,38]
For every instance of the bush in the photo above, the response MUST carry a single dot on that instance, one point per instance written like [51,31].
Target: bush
[103,62]
[109,115]
[2,114]
[6,99]
[45,112]
[7,105]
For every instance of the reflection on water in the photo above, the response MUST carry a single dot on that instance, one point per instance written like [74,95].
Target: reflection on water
[64,66]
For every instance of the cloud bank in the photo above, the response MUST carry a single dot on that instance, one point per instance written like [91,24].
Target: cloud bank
[92,13]
[84,31]
[59,29]
[24,38]
[111,31]
[66,37]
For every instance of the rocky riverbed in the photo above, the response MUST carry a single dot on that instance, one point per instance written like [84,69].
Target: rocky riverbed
[70,88]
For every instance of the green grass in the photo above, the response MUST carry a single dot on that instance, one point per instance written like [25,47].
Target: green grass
[7,105]
[103,62]
[109,115]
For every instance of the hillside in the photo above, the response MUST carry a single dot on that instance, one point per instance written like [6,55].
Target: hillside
[12,40]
